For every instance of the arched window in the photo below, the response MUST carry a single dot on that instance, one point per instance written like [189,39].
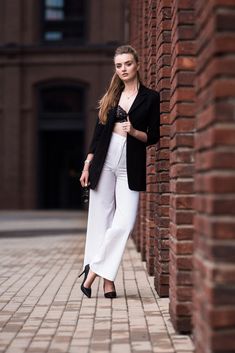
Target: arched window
[64,20]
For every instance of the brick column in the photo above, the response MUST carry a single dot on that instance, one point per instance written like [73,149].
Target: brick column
[139,38]
[163,47]
[136,27]
[151,152]
[150,35]
[182,163]
[214,259]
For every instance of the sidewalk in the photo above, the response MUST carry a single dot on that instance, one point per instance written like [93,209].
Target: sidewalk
[43,310]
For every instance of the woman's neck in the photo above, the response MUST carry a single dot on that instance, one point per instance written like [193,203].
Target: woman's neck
[131,86]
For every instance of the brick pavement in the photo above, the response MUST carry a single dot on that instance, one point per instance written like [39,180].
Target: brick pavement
[43,310]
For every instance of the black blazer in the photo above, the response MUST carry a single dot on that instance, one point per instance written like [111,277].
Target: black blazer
[144,115]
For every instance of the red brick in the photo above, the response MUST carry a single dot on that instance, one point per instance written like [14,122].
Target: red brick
[182,247]
[184,170]
[186,94]
[185,4]
[184,293]
[218,159]
[162,154]
[183,112]
[185,140]
[164,142]
[215,205]
[181,216]
[182,186]
[164,130]
[182,202]
[183,309]
[218,182]
[218,228]
[182,79]
[181,155]
[181,232]
[163,165]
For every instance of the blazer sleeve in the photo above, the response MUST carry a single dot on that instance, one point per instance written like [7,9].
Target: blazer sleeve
[153,131]
[96,136]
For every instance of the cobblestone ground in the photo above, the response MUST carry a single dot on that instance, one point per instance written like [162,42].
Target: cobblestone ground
[43,310]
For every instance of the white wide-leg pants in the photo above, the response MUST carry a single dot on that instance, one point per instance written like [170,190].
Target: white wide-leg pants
[112,213]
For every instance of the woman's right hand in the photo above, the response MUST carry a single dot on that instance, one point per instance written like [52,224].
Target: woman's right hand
[84,178]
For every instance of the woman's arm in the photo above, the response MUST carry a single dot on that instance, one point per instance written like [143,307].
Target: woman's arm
[139,135]
[84,179]
[87,162]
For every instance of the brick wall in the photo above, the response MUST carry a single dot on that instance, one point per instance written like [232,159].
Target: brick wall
[143,17]
[152,227]
[182,122]
[214,254]
[187,52]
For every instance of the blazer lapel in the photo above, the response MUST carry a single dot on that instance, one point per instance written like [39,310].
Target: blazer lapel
[139,99]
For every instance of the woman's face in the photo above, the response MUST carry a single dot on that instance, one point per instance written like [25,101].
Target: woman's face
[126,67]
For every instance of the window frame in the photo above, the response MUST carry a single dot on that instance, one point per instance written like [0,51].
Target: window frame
[64,41]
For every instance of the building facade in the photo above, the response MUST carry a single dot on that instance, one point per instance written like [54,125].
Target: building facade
[56,59]
[186,226]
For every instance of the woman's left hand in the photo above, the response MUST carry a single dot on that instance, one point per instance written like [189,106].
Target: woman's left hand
[127,127]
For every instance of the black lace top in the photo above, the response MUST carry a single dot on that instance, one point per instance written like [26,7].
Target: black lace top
[121,115]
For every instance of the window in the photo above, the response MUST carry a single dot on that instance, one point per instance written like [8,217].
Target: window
[64,20]
[62,107]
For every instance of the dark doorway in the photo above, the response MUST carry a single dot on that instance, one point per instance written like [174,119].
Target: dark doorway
[61,157]
[61,143]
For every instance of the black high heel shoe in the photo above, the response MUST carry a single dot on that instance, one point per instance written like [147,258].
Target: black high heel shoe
[86,291]
[110,295]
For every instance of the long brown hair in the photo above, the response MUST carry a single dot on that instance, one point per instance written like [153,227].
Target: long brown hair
[112,96]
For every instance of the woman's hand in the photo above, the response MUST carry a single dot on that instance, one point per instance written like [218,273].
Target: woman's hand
[139,135]
[84,178]
[127,127]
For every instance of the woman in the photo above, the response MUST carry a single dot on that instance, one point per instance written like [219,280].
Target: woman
[115,168]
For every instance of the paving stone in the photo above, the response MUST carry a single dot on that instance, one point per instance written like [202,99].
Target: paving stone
[42,309]
[121,348]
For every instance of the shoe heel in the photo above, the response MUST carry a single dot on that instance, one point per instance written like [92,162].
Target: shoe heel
[86,291]
[81,273]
